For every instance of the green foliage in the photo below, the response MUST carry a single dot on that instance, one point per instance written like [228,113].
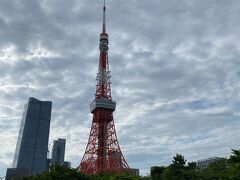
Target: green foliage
[225,169]
[107,176]
[60,173]
[220,170]
[145,178]
[192,165]
[156,172]
[190,171]
[64,173]
[233,172]
[215,170]
[178,169]
[235,157]
[178,161]
[233,168]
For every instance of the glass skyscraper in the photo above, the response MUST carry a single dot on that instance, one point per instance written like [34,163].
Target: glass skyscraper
[58,152]
[32,143]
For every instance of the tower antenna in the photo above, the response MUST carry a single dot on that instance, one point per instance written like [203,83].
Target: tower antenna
[104,17]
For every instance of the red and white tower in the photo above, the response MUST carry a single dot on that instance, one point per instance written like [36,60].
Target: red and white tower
[103,153]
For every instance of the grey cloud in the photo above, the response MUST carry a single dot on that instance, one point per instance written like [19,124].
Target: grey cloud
[164,56]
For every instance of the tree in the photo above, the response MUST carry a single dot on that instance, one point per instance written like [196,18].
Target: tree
[109,176]
[175,171]
[60,173]
[179,161]
[190,172]
[233,169]
[235,157]
[192,165]
[146,178]
[156,172]
[215,170]
[64,173]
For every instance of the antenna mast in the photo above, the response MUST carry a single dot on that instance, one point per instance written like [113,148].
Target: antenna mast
[104,17]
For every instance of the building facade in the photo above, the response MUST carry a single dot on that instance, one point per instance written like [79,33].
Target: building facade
[32,143]
[58,152]
[135,171]
[203,163]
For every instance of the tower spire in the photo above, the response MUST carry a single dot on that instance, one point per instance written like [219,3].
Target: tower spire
[104,18]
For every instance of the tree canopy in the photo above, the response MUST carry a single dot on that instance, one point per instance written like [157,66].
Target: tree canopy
[222,169]
[64,173]
[179,169]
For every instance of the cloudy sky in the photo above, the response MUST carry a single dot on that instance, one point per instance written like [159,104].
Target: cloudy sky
[175,74]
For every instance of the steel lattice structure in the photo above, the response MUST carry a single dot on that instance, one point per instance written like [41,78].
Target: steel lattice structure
[103,153]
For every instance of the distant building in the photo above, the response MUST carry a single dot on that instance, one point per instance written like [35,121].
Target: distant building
[203,163]
[116,160]
[116,155]
[48,164]
[135,171]
[17,173]
[32,143]
[67,164]
[58,152]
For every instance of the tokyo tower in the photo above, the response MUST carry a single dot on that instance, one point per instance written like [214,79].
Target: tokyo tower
[103,153]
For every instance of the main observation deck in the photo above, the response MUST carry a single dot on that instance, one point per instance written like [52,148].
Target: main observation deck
[102,103]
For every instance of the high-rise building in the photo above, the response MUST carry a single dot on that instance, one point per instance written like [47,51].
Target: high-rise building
[32,143]
[58,152]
